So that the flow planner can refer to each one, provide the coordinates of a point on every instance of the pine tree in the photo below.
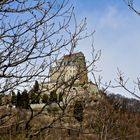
(53, 97)
(78, 111)
(14, 98)
(45, 98)
(34, 97)
(1, 96)
(25, 98)
(36, 87)
(35, 94)
(60, 97)
(19, 100)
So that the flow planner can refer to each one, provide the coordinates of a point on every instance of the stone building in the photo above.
(70, 67)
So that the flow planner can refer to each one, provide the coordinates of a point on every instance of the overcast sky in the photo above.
(117, 36)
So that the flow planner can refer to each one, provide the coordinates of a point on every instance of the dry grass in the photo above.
(121, 125)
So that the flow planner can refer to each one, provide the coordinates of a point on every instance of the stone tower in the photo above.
(69, 66)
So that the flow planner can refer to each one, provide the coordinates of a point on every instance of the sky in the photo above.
(116, 35)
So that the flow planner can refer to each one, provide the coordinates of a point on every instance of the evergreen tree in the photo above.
(53, 97)
(78, 111)
(37, 99)
(45, 98)
(19, 99)
(14, 98)
(60, 97)
(25, 97)
(34, 97)
(35, 94)
(36, 87)
(1, 96)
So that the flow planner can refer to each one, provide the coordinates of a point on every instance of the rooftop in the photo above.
(73, 55)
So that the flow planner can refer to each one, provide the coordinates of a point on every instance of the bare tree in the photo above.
(33, 35)
(133, 6)
(122, 82)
